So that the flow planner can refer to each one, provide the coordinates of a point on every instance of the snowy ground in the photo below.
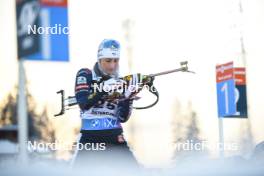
(227, 166)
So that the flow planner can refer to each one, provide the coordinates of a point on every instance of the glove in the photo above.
(113, 88)
(135, 84)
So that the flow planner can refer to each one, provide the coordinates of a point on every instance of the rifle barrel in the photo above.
(167, 72)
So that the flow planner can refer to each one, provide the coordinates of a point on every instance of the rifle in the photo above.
(66, 103)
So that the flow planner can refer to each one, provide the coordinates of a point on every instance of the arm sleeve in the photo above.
(84, 94)
(124, 110)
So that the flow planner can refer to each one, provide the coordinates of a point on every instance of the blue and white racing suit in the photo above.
(101, 119)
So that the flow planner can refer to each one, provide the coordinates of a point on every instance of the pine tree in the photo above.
(39, 125)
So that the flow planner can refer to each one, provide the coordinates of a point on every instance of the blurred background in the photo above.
(155, 36)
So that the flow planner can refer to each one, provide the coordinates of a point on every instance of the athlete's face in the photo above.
(109, 65)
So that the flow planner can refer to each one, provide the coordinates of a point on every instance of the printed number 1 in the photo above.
(225, 90)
